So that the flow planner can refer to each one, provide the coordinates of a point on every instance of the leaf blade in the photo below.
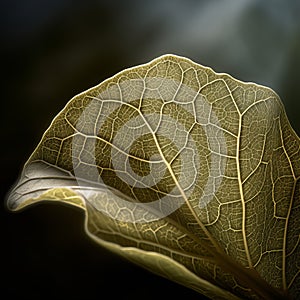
(236, 132)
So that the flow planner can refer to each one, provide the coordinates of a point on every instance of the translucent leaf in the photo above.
(189, 173)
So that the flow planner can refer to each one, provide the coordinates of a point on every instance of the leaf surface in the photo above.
(189, 173)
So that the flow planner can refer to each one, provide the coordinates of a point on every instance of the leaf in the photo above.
(192, 174)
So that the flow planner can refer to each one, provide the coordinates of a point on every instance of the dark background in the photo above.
(52, 50)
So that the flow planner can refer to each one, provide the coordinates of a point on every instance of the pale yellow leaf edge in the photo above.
(149, 260)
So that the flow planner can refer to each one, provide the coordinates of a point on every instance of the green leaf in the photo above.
(192, 174)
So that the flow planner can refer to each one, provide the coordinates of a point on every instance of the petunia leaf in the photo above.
(192, 174)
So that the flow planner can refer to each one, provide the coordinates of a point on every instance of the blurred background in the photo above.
(52, 50)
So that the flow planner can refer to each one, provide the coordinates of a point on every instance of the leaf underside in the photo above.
(192, 174)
